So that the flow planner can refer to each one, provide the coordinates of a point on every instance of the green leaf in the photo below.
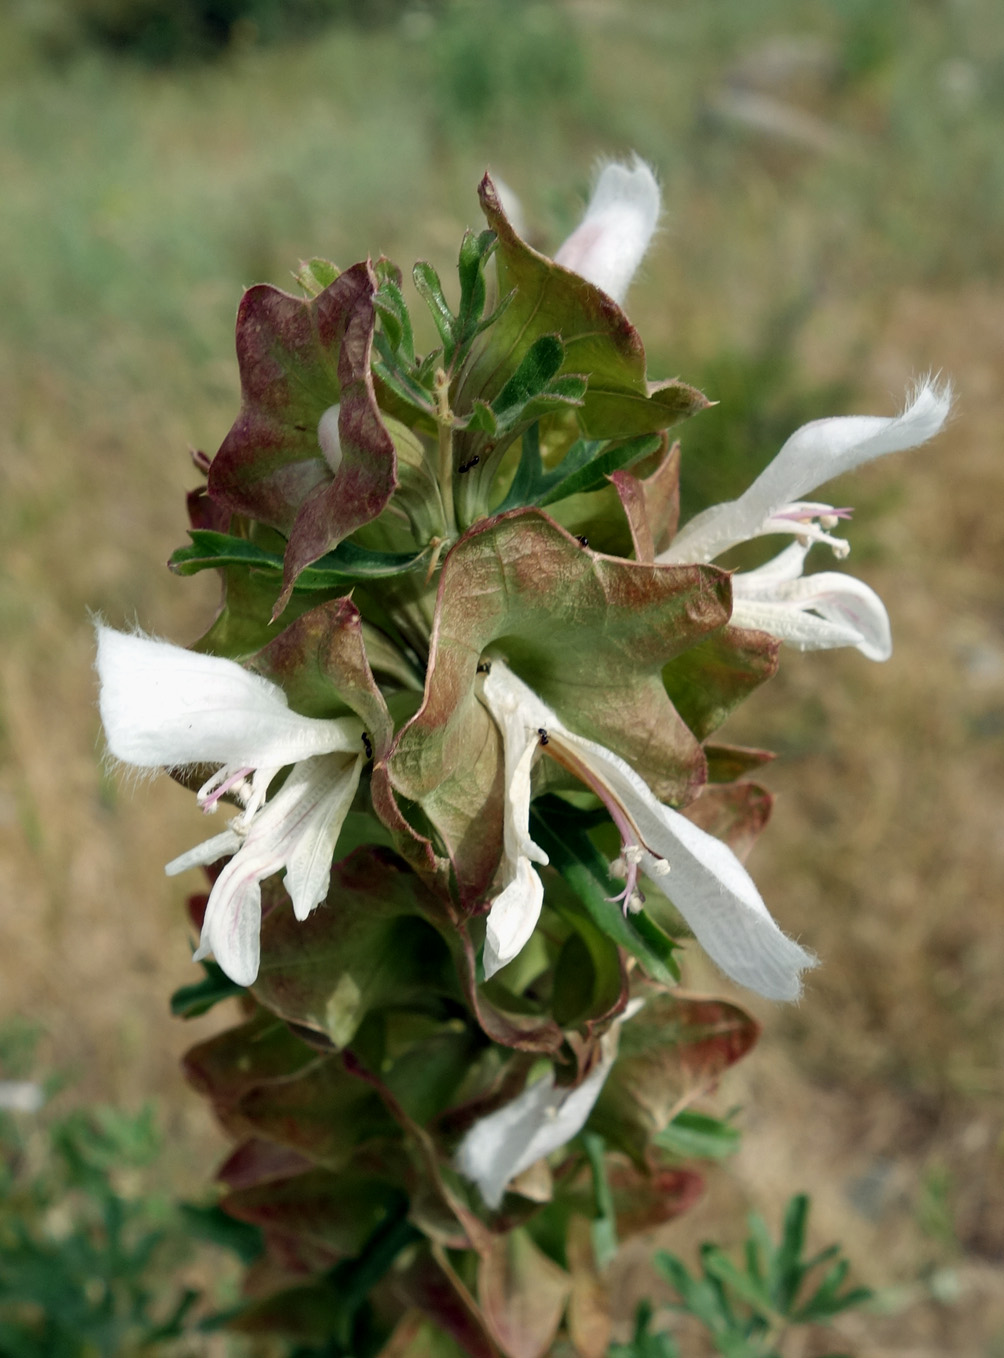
(603, 1227)
(345, 565)
(314, 275)
(370, 947)
(696, 1136)
(593, 475)
(192, 1000)
(430, 289)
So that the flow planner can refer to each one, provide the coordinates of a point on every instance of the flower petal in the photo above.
(708, 885)
(813, 455)
(323, 789)
(541, 1120)
(610, 242)
(513, 917)
(163, 706)
(850, 613)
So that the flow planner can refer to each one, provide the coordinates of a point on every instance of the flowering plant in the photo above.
(462, 693)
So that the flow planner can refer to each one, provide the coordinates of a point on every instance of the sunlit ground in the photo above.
(834, 184)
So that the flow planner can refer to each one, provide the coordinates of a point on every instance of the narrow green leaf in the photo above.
(603, 1228)
(348, 562)
(539, 365)
(697, 1136)
(431, 291)
(593, 476)
(192, 1000)
(721, 1267)
(788, 1270)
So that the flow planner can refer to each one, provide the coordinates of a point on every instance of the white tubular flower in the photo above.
(814, 612)
(540, 1120)
(813, 455)
(165, 707)
(701, 875)
(610, 242)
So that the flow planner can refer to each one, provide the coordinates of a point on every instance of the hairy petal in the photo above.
(813, 455)
(813, 612)
(708, 885)
(298, 830)
(610, 241)
(513, 917)
(163, 706)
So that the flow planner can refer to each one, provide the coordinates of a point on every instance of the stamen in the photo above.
(208, 796)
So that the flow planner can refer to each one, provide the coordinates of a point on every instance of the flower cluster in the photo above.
(461, 693)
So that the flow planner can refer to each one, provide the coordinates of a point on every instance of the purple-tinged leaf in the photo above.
(726, 763)
(320, 662)
(709, 681)
(733, 812)
(522, 1294)
(297, 359)
(369, 945)
(589, 633)
(672, 1051)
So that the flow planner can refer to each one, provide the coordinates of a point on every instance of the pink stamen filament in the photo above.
(630, 838)
(806, 513)
(208, 803)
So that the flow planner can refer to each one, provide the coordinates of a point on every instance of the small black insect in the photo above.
(466, 466)
(544, 737)
(367, 746)
(485, 667)
(583, 541)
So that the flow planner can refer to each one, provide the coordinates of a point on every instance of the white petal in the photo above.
(610, 242)
(325, 795)
(813, 455)
(761, 582)
(208, 852)
(297, 830)
(541, 1120)
(708, 885)
(232, 925)
(793, 625)
(513, 917)
(163, 706)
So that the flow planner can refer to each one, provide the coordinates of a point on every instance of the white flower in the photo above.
(701, 875)
(165, 707)
(540, 1120)
(610, 242)
(813, 455)
(814, 612)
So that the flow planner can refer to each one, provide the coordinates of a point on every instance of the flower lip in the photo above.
(813, 455)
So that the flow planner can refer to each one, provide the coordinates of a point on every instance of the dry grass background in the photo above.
(136, 204)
